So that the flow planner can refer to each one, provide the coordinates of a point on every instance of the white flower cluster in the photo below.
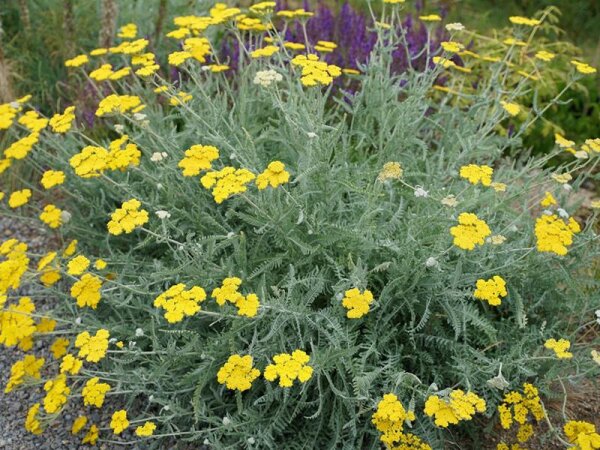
(457, 26)
(158, 156)
(267, 77)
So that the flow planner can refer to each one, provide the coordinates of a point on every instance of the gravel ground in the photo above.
(14, 406)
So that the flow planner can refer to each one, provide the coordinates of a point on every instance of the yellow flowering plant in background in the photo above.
(245, 257)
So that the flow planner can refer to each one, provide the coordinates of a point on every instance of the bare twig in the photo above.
(69, 27)
(160, 20)
(109, 12)
(24, 15)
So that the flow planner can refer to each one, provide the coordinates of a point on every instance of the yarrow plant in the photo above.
(300, 247)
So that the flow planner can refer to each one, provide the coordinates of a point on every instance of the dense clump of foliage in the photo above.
(301, 249)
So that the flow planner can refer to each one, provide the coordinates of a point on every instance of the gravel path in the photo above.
(14, 406)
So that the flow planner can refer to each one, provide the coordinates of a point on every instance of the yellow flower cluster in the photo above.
(197, 47)
(452, 47)
(91, 436)
(560, 348)
(5, 163)
(92, 348)
(582, 435)
(71, 365)
(86, 291)
(119, 104)
(294, 45)
(449, 64)
(45, 325)
(77, 61)
(431, 18)
(148, 64)
(315, 71)
(28, 367)
(70, 249)
(17, 325)
(180, 98)
(33, 122)
(119, 422)
(389, 419)
(391, 171)
(122, 154)
(228, 292)
(548, 200)
(178, 58)
(198, 158)
(591, 145)
(179, 303)
(51, 216)
(227, 182)
(78, 424)
(477, 174)
(8, 112)
(145, 430)
(264, 52)
(554, 235)
(454, 408)
(512, 109)
(262, 7)
(409, 441)
(21, 148)
(520, 20)
(106, 72)
(470, 231)
(128, 31)
(562, 141)
(196, 24)
(194, 47)
(13, 264)
(92, 161)
(245, 23)
(491, 290)
(78, 265)
(57, 394)
(19, 198)
(357, 303)
(503, 446)
(274, 175)
(583, 68)
(49, 272)
(545, 55)
(89, 162)
(51, 178)
(589, 148)
(299, 13)
(289, 368)
(522, 405)
(32, 424)
(525, 432)
(127, 218)
(248, 306)
(562, 178)
(237, 373)
(93, 392)
(130, 47)
(325, 46)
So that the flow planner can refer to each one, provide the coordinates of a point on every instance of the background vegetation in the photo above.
(37, 36)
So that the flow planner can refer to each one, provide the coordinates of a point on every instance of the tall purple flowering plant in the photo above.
(355, 35)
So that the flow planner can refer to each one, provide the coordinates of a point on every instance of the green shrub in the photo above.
(375, 193)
